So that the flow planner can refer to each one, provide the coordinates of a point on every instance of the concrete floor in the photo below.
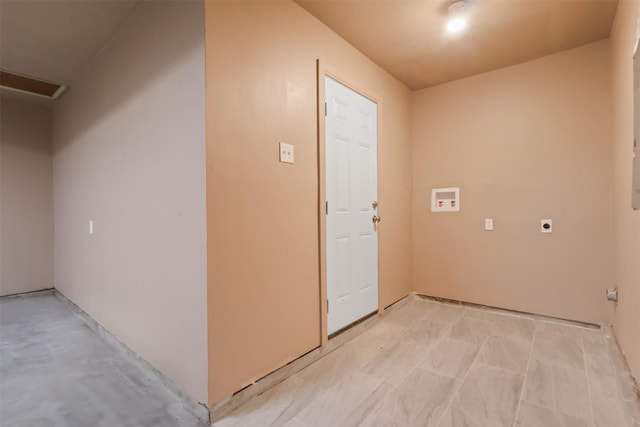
(57, 371)
(427, 363)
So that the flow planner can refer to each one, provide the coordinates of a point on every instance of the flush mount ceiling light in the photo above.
(457, 21)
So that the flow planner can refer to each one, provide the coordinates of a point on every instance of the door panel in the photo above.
(351, 189)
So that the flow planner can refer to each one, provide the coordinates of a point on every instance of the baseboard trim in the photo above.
(225, 407)
(509, 311)
(47, 291)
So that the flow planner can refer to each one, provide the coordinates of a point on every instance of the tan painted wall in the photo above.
(26, 197)
(523, 143)
(263, 215)
(129, 153)
(626, 222)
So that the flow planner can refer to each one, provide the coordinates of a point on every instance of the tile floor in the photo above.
(438, 364)
(57, 371)
(425, 364)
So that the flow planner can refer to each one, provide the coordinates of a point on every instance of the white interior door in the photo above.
(352, 194)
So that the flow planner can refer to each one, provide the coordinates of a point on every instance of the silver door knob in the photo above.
(376, 219)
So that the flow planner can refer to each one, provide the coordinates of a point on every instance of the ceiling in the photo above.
(407, 38)
(54, 40)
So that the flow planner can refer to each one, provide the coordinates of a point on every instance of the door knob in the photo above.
(376, 219)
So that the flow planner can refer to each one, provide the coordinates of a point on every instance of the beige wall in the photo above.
(129, 154)
(26, 197)
(263, 215)
(626, 222)
(523, 143)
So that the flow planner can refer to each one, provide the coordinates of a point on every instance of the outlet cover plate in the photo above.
(488, 224)
(286, 153)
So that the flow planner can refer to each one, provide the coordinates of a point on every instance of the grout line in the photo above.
(464, 378)
(526, 374)
(586, 373)
(403, 336)
(36, 293)
(272, 379)
(570, 324)
(315, 398)
(498, 368)
(618, 385)
(499, 310)
(445, 335)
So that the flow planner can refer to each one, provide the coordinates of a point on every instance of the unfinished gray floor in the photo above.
(426, 364)
(56, 371)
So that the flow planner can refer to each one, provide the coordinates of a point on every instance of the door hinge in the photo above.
(327, 306)
(325, 109)
(326, 207)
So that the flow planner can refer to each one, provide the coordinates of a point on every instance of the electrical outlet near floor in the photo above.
(546, 226)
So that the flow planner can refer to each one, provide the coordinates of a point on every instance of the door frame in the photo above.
(325, 70)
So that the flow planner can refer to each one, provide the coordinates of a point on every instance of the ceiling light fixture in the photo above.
(457, 21)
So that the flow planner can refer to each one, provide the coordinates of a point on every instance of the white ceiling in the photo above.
(55, 39)
(407, 38)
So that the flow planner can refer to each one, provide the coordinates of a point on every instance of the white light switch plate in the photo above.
(548, 228)
(286, 153)
(488, 224)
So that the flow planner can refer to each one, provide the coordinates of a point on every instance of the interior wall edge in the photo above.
(26, 195)
(626, 222)
(262, 67)
(129, 190)
(518, 121)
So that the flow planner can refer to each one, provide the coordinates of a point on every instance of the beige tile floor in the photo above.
(439, 364)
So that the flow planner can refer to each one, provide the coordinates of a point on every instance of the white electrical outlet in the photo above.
(286, 153)
(90, 226)
(546, 226)
(488, 224)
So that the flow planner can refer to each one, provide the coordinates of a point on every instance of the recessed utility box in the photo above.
(445, 199)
